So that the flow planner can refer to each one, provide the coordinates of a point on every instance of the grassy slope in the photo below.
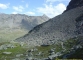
(8, 36)
(78, 54)
(68, 44)
(46, 49)
(15, 51)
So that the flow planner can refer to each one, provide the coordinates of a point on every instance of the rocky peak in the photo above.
(74, 4)
(45, 16)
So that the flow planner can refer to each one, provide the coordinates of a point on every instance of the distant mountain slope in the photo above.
(15, 25)
(62, 27)
(16, 21)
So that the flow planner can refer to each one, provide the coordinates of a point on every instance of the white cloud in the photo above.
(14, 12)
(51, 10)
(30, 13)
(4, 6)
(18, 8)
(51, 1)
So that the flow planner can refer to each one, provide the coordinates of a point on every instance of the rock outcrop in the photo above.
(74, 4)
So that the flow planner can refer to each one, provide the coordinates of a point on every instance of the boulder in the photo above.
(19, 55)
(29, 58)
(54, 55)
(7, 53)
(16, 59)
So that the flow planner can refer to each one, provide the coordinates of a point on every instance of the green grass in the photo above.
(15, 51)
(8, 36)
(78, 54)
(69, 44)
(46, 49)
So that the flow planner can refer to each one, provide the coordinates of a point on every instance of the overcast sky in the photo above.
(33, 7)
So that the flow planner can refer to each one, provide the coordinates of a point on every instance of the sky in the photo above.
(51, 8)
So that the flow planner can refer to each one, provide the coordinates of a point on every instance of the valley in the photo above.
(24, 37)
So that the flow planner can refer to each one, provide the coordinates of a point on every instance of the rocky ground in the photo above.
(62, 50)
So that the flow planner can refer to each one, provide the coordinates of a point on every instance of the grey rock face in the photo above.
(79, 24)
(74, 4)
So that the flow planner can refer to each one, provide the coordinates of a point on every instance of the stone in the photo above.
(78, 46)
(7, 53)
(52, 53)
(21, 43)
(3, 47)
(30, 54)
(52, 50)
(18, 55)
(55, 55)
(6, 46)
(29, 58)
(35, 49)
(39, 53)
(32, 50)
(16, 59)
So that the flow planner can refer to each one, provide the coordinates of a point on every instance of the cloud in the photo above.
(18, 8)
(51, 1)
(30, 13)
(51, 10)
(4, 6)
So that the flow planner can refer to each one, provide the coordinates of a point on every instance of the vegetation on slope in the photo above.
(11, 35)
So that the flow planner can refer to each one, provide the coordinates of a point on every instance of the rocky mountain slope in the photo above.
(16, 25)
(60, 28)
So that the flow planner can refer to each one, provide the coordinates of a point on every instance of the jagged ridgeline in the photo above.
(13, 26)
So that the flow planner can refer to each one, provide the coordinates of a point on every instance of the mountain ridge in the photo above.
(17, 19)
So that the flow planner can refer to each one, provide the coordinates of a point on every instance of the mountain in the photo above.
(20, 21)
(74, 4)
(60, 28)
(13, 26)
